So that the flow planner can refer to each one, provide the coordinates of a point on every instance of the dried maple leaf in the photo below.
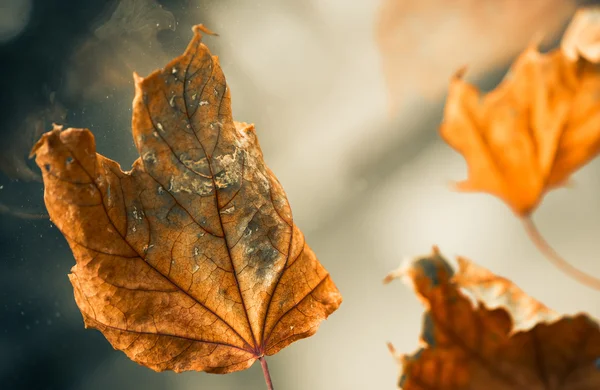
(470, 341)
(530, 133)
(191, 260)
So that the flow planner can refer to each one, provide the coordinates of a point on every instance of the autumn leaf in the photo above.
(482, 332)
(191, 260)
(530, 133)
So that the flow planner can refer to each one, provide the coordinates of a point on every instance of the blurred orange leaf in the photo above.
(482, 332)
(530, 133)
(191, 260)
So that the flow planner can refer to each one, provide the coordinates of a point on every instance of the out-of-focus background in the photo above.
(346, 98)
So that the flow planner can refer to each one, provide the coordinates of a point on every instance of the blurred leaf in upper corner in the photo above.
(128, 41)
(481, 332)
(423, 42)
(582, 38)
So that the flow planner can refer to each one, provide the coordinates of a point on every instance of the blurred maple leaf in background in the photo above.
(531, 132)
(482, 332)
(425, 41)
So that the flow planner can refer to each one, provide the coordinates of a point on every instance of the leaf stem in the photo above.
(550, 254)
(265, 368)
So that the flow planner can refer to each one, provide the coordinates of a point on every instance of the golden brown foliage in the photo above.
(530, 133)
(482, 332)
(191, 260)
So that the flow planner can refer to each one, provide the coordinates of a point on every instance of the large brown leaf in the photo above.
(480, 331)
(191, 260)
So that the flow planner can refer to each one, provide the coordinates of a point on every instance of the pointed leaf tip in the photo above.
(460, 73)
(200, 28)
(137, 79)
